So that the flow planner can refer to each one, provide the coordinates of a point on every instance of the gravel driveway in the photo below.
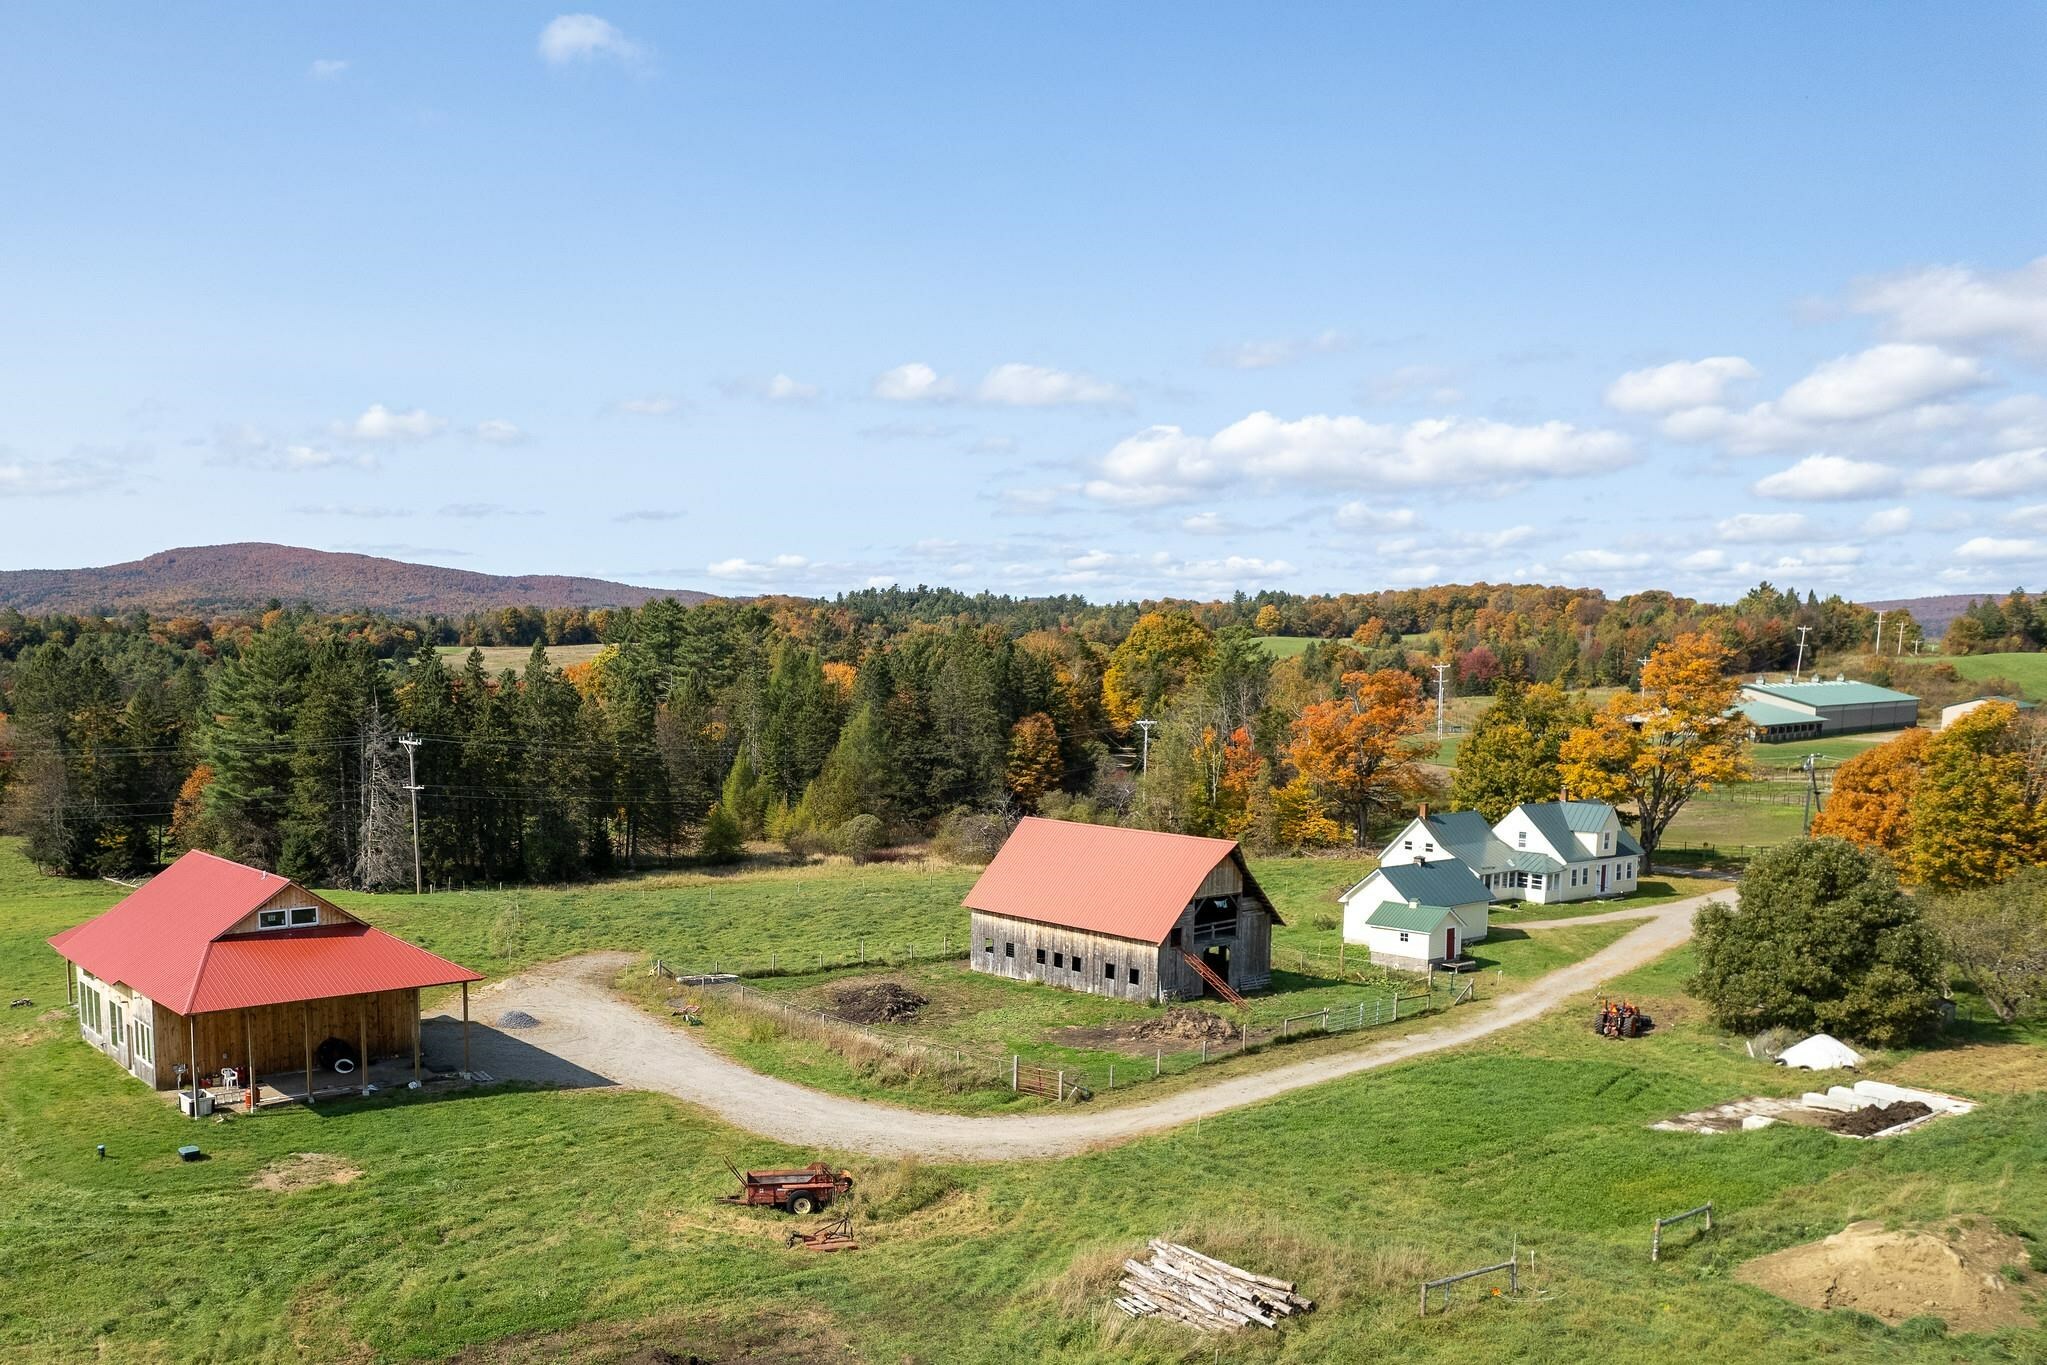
(588, 1035)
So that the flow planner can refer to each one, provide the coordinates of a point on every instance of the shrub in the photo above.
(721, 840)
(859, 837)
(970, 836)
(1822, 939)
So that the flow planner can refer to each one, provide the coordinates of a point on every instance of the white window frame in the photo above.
(287, 917)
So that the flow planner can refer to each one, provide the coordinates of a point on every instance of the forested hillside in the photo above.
(273, 737)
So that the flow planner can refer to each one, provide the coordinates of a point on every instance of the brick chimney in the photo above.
(1423, 812)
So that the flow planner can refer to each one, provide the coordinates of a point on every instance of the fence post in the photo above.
(1325, 1020)
(1158, 1061)
(1204, 1049)
(1112, 1075)
(771, 962)
(863, 952)
(1061, 1095)
(1012, 1073)
(1396, 1004)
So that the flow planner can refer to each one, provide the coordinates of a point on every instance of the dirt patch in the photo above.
(1957, 1275)
(1879, 1117)
(304, 1171)
(52, 1016)
(878, 1002)
(1175, 1029)
(1977, 1069)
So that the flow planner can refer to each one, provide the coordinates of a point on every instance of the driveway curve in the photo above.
(587, 1034)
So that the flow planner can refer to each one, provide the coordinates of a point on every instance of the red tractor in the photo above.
(802, 1191)
(1620, 1019)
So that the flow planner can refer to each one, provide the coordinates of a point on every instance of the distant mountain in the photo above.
(213, 578)
(1932, 613)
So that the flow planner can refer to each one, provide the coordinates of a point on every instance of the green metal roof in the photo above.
(1762, 713)
(1447, 881)
(1628, 844)
(1531, 861)
(1831, 693)
(1585, 817)
(1422, 919)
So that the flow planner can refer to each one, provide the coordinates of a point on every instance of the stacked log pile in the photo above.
(1209, 1295)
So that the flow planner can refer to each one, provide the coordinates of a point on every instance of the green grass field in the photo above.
(2029, 671)
(498, 658)
(1287, 646)
(525, 1225)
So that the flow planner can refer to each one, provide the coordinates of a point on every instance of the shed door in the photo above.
(1450, 943)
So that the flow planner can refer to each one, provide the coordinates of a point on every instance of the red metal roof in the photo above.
(1132, 883)
(166, 941)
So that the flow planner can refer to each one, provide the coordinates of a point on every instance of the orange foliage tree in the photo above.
(1658, 748)
(1300, 820)
(1362, 752)
(1034, 768)
(1973, 820)
(1871, 803)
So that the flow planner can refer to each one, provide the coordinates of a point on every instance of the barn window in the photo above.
(1041, 957)
(1009, 950)
(1133, 976)
(1403, 936)
(1215, 918)
(1059, 959)
(1108, 971)
(1076, 962)
(144, 1041)
(989, 947)
(270, 919)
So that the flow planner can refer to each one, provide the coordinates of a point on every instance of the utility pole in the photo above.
(1803, 631)
(1441, 670)
(1812, 788)
(411, 743)
(1144, 761)
(1879, 632)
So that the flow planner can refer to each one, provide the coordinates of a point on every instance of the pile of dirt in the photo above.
(517, 1019)
(1185, 1024)
(1957, 1276)
(1876, 1118)
(304, 1171)
(878, 1002)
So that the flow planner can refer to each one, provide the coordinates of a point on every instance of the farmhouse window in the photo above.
(1108, 971)
(1521, 837)
(1606, 843)
(1009, 950)
(1407, 843)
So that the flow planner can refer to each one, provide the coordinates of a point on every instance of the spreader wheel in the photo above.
(803, 1205)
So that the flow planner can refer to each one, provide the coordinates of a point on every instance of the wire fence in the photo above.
(1062, 1079)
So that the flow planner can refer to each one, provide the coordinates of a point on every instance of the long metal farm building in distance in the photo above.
(1123, 912)
(1810, 710)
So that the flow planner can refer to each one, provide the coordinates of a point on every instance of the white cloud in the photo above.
(1264, 355)
(654, 405)
(2000, 550)
(1888, 522)
(53, 478)
(1678, 385)
(1700, 561)
(572, 38)
(327, 69)
(1414, 383)
(2033, 515)
(914, 382)
(1995, 476)
(1953, 303)
(499, 432)
(1748, 527)
(780, 388)
(1205, 524)
(1599, 559)
(1359, 515)
(779, 569)
(379, 423)
(1880, 380)
(1036, 386)
(1829, 478)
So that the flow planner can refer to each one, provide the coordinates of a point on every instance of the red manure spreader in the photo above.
(802, 1191)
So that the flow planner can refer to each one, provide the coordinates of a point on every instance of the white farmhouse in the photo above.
(1413, 914)
(1543, 852)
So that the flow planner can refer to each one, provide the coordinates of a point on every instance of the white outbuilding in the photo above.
(1410, 915)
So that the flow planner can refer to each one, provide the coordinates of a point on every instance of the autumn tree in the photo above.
(1997, 937)
(1034, 768)
(1269, 620)
(1362, 752)
(1300, 820)
(1972, 823)
(1823, 939)
(1512, 754)
(1871, 800)
(1658, 748)
(1156, 659)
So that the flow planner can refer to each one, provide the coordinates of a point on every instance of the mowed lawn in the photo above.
(533, 1225)
(2029, 671)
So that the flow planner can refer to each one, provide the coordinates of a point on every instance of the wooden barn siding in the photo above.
(279, 1033)
(1092, 949)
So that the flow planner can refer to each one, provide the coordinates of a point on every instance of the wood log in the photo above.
(1175, 1249)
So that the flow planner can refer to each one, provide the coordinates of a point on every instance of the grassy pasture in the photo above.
(2029, 671)
(498, 658)
(538, 1225)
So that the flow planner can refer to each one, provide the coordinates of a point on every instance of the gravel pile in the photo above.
(517, 1019)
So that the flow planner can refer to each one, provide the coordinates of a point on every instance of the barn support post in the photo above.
(192, 1056)
(306, 1037)
(465, 1028)
(362, 1024)
(415, 1033)
(249, 1042)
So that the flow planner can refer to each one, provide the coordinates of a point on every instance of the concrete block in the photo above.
(1755, 1121)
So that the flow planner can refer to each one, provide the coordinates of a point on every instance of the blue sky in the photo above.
(1116, 299)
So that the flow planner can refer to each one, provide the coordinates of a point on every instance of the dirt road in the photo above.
(588, 1035)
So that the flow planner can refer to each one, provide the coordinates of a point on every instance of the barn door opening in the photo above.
(1217, 960)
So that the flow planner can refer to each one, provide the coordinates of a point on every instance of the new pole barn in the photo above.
(1123, 912)
(212, 967)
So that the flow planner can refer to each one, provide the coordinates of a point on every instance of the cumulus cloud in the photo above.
(1603, 559)
(379, 423)
(779, 569)
(1205, 524)
(914, 382)
(1829, 478)
(776, 388)
(2000, 549)
(1359, 515)
(1960, 305)
(499, 432)
(1264, 355)
(1037, 386)
(653, 405)
(1995, 476)
(1888, 522)
(1748, 527)
(572, 38)
(1678, 385)
(327, 69)
(1164, 464)
(1880, 380)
